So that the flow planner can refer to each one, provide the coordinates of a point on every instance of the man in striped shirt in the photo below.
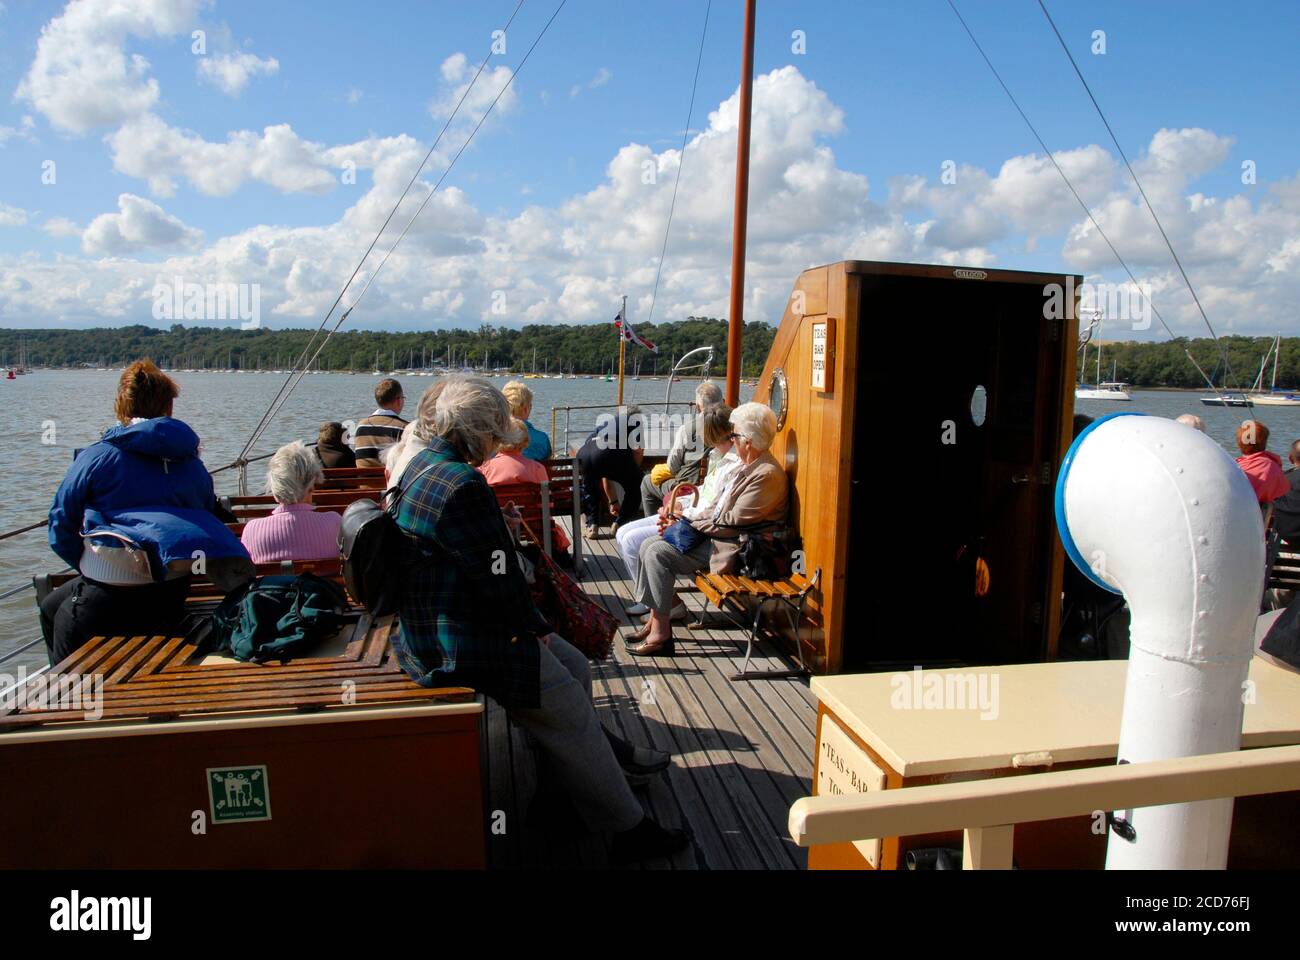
(381, 428)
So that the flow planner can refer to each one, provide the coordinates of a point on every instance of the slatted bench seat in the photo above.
(1284, 571)
(734, 596)
(343, 743)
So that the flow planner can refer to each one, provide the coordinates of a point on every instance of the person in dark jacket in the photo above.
(612, 454)
(135, 516)
(467, 619)
(1286, 508)
(331, 449)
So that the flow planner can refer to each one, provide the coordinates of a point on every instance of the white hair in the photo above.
(293, 471)
(1193, 421)
(422, 426)
(474, 417)
(756, 423)
(707, 394)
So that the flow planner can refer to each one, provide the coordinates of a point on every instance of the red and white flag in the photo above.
(627, 333)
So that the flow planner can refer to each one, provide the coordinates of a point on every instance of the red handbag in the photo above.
(574, 615)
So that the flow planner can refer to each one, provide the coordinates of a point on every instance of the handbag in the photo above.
(680, 533)
(575, 616)
(767, 551)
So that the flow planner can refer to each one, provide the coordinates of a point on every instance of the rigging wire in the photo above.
(1102, 233)
(271, 410)
(686, 132)
(429, 196)
(1228, 375)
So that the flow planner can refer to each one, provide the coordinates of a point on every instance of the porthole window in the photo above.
(778, 397)
(979, 405)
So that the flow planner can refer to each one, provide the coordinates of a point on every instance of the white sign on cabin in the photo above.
(823, 340)
(844, 768)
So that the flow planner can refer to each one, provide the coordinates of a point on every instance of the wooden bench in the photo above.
(262, 505)
(734, 596)
(1284, 568)
(359, 766)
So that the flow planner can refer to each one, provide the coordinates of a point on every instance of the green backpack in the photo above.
(278, 617)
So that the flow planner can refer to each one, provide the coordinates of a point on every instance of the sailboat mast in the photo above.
(736, 313)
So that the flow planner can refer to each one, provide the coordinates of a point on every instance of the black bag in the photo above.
(1283, 638)
(767, 551)
(375, 552)
(278, 618)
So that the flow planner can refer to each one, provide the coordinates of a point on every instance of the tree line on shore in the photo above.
(553, 348)
(578, 348)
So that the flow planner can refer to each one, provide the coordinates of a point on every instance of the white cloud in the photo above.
(138, 225)
(61, 227)
(602, 77)
(457, 73)
(148, 148)
(230, 72)
(82, 78)
(12, 216)
(571, 261)
(354, 96)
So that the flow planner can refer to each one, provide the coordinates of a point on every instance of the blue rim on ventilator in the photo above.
(1071, 550)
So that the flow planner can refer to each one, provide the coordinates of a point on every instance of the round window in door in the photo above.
(778, 397)
(979, 405)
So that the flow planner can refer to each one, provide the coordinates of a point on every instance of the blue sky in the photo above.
(909, 91)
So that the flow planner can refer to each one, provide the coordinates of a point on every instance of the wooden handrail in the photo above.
(1000, 802)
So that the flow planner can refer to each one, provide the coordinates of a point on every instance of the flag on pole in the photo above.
(627, 333)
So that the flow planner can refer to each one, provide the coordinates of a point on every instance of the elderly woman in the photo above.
(294, 530)
(538, 446)
(687, 456)
(723, 463)
(757, 493)
(132, 514)
(467, 618)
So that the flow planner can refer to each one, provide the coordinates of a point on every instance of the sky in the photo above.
(214, 142)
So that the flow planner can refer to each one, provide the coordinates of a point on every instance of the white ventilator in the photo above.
(1157, 511)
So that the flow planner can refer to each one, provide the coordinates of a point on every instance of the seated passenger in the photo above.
(467, 619)
(758, 493)
(511, 466)
(135, 516)
(294, 530)
(330, 448)
(1193, 421)
(1262, 467)
(687, 456)
(610, 455)
(521, 406)
(723, 463)
(1286, 508)
(398, 455)
(383, 427)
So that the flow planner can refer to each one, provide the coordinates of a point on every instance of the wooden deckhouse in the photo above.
(923, 412)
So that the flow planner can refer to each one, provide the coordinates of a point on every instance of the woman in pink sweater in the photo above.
(1262, 468)
(511, 466)
(294, 530)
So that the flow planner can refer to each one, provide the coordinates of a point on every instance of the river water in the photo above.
(50, 414)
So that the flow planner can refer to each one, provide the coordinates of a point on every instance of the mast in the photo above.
(622, 349)
(736, 315)
(1277, 348)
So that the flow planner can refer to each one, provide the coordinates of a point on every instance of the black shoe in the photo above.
(637, 761)
(646, 841)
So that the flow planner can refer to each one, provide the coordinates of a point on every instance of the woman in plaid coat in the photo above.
(467, 619)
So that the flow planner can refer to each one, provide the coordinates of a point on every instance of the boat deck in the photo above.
(742, 751)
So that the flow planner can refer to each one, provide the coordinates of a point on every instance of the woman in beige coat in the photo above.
(757, 493)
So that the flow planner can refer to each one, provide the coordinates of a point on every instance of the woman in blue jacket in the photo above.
(135, 516)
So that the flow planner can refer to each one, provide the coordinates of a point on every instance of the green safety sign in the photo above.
(239, 794)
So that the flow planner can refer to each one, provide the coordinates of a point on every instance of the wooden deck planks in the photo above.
(742, 751)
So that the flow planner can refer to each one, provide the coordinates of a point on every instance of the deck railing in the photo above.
(986, 811)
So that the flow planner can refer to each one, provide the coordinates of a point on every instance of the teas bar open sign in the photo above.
(844, 768)
(823, 353)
